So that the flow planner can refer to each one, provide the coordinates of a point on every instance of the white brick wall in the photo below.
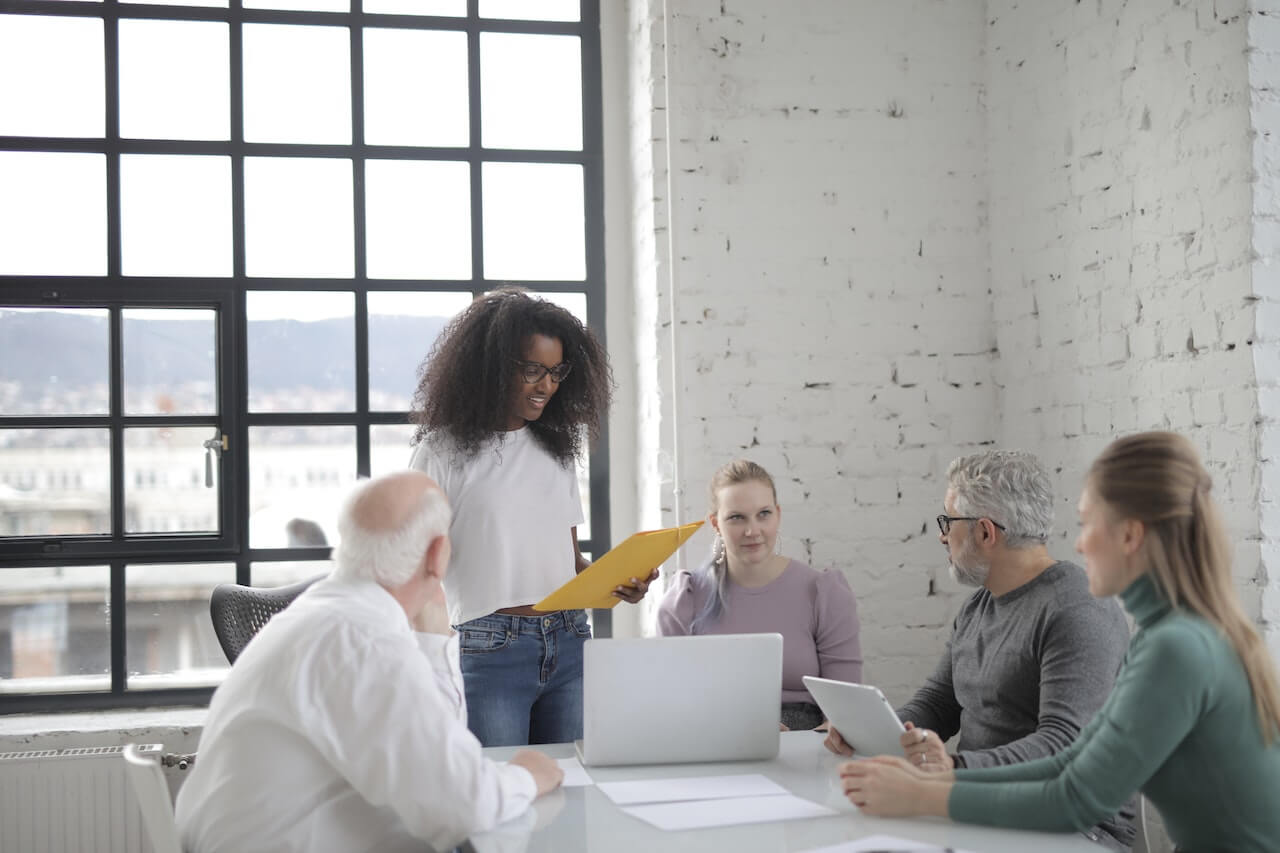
(897, 230)
(827, 267)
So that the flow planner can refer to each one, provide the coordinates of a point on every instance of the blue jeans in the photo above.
(523, 676)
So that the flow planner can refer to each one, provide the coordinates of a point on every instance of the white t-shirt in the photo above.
(341, 730)
(514, 507)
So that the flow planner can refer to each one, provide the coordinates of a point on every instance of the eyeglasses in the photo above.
(944, 522)
(532, 372)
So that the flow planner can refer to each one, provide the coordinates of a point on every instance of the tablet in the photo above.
(861, 714)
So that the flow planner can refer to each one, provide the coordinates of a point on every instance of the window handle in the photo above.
(215, 445)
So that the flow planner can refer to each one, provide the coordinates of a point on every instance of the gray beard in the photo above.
(975, 575)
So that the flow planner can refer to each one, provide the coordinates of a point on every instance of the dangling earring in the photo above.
(717, 550)
(777, 543)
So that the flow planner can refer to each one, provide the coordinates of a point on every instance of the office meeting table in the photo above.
(575, 819)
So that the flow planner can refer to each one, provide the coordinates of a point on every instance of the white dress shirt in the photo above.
(341, 729)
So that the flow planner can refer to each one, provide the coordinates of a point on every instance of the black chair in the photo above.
(239, 612)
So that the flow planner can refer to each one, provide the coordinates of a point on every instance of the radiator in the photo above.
(70, 801)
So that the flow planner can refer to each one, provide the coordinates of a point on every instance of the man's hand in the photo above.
(924, 749)
(836, 744)
(433, 618)
(546, 773)
(635, 590)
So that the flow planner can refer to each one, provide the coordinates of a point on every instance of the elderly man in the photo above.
(342, 726)
(1032, 655)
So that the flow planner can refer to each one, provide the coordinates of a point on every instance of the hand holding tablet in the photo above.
(860, 713)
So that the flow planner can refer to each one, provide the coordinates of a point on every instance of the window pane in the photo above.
(53, 72)
(174, 80)
(169, 639)
(531, 91)
(288, 572)
(531, 10)
(298, 474)
(53, 213)
(390, 446)
(297, 84)
(402, 329)
(415, 88)
(298, 220)
(442, 8)
(533, 222)
(213, 4)
(164, 481)
(170, 361)
(175, 214)
(574, 303)
(69, 377)
(418, 217)
(301, 351)
(54, 634)
(300, 5)
(55, 482)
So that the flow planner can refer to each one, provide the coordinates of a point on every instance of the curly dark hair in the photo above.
(465, 383)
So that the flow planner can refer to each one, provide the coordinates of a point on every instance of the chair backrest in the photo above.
(1141, 843)
(239, 612)
(153, 799)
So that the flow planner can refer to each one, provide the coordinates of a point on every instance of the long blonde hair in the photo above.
(716, 570)
(1157, 478)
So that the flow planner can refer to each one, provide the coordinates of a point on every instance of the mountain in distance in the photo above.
(284, 354)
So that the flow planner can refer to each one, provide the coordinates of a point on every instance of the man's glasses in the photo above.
(944, 522)
(532, 372)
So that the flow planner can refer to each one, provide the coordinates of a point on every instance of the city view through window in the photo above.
(229, 236)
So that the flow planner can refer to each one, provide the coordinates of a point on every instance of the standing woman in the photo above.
(748, 587)
(1193, 721)
(509, 396)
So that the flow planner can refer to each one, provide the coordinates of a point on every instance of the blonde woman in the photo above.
(1194, 719)
(748, 587)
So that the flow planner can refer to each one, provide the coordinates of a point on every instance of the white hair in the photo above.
(389, 557)
(1010, 487)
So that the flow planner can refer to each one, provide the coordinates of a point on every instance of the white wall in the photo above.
(819, 237)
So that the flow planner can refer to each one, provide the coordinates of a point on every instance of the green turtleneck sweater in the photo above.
(1180, 724)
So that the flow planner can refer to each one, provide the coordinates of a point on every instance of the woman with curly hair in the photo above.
(510, 395)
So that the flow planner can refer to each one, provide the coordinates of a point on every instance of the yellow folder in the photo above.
(639, 555)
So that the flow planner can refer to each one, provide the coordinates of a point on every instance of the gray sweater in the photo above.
(1024, 672)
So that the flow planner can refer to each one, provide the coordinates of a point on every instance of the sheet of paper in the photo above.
(690, 788)
(885, 844)
(575, 775)
(705, 813)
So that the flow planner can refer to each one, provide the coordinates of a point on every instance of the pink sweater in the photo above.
(815, 612)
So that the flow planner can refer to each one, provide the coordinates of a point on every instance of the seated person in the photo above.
(342, 727)
(1032, 655)
(1194, 719)
(748, 588)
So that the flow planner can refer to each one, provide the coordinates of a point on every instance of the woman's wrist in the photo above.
(937, 796)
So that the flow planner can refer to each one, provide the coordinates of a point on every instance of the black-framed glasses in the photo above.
(532, 372)
(944, 521)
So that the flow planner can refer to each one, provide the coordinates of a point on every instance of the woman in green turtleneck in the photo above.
(1194, 718)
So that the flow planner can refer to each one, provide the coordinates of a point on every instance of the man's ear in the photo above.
(436, 562)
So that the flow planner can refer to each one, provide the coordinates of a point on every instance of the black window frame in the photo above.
(229, 296)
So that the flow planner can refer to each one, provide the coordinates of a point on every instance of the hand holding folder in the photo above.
(637, 557)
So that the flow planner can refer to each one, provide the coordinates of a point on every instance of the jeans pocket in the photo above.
(578, 624)
(480, 640)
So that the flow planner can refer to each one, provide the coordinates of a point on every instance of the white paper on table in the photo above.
(690, 788)
(886, 844)
(703, 813)
(575, 775)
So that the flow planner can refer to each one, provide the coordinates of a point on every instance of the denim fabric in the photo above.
(523, 676)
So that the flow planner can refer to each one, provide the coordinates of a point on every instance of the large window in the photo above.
(230, 231)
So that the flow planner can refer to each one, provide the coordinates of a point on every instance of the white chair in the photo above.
(1141, 844)
(153, 799)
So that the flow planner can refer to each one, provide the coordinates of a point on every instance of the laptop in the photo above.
(673, 700)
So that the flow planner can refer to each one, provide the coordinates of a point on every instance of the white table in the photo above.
(583, 819)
